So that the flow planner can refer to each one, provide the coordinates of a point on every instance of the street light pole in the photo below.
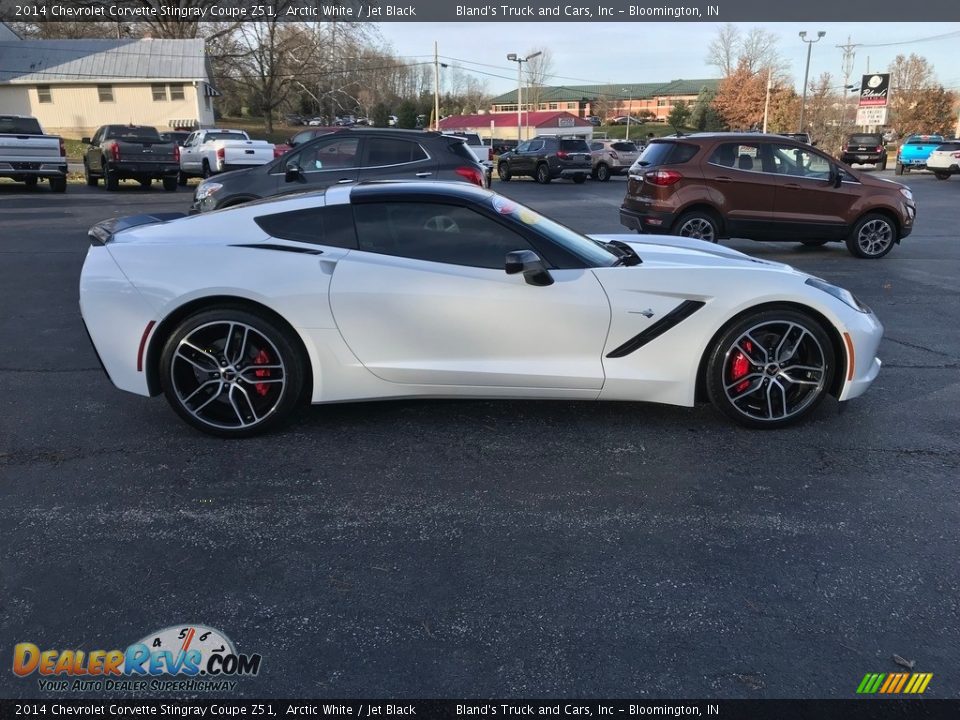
(806, 74)
(629, 109)
(513, 57)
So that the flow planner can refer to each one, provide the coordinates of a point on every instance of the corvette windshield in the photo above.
(583, 247)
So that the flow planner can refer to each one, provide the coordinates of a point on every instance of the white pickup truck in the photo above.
(207, 152)
(27, 155)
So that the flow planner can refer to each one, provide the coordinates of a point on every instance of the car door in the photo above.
(188, 153)
(521, 163)
(386, 158)
(426, 301)
(807, 203)
(740, 188)
(321, 164)
(94, 155)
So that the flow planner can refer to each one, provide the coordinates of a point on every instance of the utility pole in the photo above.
(848, 55)
(436, 87)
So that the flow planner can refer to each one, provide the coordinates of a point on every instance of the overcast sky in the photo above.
(653, 52)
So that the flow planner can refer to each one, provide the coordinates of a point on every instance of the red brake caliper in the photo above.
(740, 367)
(262, 359)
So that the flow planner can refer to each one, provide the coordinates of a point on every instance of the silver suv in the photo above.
(612, 157)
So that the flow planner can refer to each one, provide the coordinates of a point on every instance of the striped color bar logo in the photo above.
(906, 683)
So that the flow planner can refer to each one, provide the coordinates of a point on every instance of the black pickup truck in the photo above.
(131, 152)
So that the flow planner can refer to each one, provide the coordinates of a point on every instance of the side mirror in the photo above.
(85, 141)
(293, 173)
(530, 264)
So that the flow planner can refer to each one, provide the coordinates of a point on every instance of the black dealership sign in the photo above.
(875, 90)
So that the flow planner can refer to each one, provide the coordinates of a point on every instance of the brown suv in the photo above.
(763, 187)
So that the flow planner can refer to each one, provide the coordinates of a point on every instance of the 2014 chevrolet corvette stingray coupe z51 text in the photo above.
(399, 290)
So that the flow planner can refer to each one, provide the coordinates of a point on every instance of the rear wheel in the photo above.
(898, 169)
(602, 172)
(232, 372)
(58, 184)
(30, 182)
(91, 179)
(770, 369)
(542, 175)
(503, 172)
(110, 179)
(941, 175)
(579, 179)
(144, 183)
(181, 179)
(206, 169)
(697, 224)
(170, 183)
(872, 237)
(883, 163)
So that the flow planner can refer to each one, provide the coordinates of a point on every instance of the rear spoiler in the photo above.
(103, 232)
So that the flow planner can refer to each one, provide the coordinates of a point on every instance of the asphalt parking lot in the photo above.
(504, 549)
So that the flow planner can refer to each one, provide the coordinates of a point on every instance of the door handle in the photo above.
(723, 178)
(424, 174)
(344, 181)
(792, 186)
(327, 266)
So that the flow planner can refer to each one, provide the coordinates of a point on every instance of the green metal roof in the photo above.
(636, 91)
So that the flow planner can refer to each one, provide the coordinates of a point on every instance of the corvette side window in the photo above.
(436, 233)
(331, 226)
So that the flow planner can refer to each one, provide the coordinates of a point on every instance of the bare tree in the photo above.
(724, 50)
(917, 102)
(732, 50)
(537, 71)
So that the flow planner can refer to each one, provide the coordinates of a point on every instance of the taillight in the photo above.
(879, 148)
(277, 152)
(221, 154)
(563, 154)
(956, 154)
(663, 178)
(471, 175)
(176, 153)
(115, 151)
(63, 149)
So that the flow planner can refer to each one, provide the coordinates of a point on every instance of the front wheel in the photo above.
(170, 183)
(181, 179)
(30, 182)
(770, 369)
(543, 174)
(579, 179)
(58, 184)
(503, 172)
(232, 372)
(91, 179)
(872, 237)
(699, 225)
(898, 168)
(941, 175)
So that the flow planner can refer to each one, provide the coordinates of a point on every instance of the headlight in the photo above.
(906, 193)
(841, 294)
(205, 190)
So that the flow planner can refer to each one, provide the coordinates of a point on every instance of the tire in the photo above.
(697, 224)
(503, 172)
(110, 180)
(170, 183)
(30, 182)
(58, 184)
(941, 175)
(580, 179)
(145, 183)
(814, 243)
(181, 179)
(883, 163)
(542, 175)
(206, 169)
(229, 397)
(754, 373)
(898, 169)
(91, 179)
(873, 236)
(602, 173)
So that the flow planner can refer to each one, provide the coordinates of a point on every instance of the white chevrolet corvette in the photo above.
(400, 290)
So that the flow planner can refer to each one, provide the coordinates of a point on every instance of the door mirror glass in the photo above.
(530, 264)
